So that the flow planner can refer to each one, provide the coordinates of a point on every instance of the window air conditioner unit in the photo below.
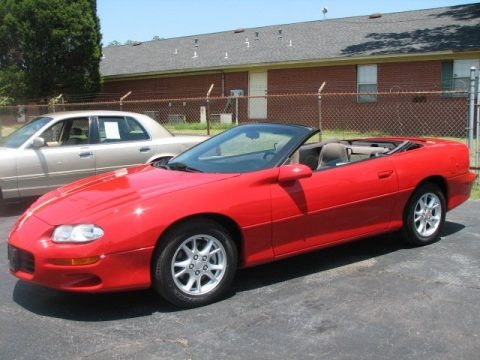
(236, 92)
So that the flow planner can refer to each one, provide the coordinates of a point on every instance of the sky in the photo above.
(141, 20)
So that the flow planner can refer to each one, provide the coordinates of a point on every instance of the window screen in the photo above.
(461, 73)
(367, 83)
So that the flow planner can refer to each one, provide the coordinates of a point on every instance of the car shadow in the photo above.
(318, 261)
(133, 304)
(451, 228)
(88, 307)
(327, 259)
(15, 209)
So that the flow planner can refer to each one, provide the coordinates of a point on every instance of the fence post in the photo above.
(471, 108)
(54, 101)
(477, 153)
(320, 111)
(123, 98)
(208, 109)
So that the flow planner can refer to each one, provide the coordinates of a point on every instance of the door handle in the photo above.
(385, 174)
(144, 149)
(85, 154)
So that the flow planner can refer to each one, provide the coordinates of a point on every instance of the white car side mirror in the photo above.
(38, 142)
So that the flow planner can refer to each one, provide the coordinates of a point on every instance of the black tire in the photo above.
(424, 215)
(3, 206)
(210, 282)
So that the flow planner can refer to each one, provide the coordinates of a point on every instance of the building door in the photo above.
(257, 89)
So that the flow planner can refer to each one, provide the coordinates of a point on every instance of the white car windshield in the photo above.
(18, 137)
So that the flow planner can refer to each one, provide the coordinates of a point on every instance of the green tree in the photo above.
(114, 43)
(49, 47)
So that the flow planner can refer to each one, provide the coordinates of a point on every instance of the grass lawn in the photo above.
(476, 191)
(7, 130)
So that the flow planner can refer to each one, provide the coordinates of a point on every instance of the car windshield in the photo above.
(243, 149)
(19, 136)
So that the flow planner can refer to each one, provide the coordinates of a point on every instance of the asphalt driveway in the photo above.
(373, 299)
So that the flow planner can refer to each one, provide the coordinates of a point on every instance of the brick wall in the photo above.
(402, 76)
(405, 114)
(308, 80)
(413, 113)
(409, 76)
(177, 86)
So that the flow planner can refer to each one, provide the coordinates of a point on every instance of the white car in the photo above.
(58, 148)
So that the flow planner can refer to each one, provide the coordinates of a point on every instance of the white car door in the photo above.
(67, 156)
(122, 142)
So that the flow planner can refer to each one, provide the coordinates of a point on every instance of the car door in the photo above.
(66, 157)
(122, 141)
(334, 204)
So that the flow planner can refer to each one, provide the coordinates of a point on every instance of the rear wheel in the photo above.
(2, 204)
(197, 264)
(424, 215)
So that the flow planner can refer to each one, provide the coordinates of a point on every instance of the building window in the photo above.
(456, 75)
(367, 83)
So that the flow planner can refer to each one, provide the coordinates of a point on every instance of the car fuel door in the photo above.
(335, 204)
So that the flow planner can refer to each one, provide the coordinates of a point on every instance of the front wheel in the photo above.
(424, 215)
(196, 264)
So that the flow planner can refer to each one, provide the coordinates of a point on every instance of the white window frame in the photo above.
(367, 82)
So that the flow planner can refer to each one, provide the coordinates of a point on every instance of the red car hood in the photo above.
(95, 195)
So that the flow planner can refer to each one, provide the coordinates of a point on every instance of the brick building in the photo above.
(422, 50)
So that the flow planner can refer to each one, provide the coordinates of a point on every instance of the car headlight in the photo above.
(81, 233)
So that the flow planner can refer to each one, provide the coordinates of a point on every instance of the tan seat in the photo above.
(332, 154)
(76, 137)
(295, 158)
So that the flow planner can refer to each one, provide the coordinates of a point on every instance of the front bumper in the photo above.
(459, 189)
(33, 257)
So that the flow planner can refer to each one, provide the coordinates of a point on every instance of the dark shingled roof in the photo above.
(448, 29)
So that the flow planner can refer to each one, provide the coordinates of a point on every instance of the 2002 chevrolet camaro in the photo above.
(251, 195)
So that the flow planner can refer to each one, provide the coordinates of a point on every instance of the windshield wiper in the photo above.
(181, 167)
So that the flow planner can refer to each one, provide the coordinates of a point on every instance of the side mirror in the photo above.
(38, 142)
(290, 173)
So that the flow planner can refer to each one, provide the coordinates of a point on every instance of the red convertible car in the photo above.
(251, 195)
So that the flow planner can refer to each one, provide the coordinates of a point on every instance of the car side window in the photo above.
(76, 132)
(120, 129)
(67, 132)
(53, 134)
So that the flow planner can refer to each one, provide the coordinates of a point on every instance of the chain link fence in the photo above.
(338, 115)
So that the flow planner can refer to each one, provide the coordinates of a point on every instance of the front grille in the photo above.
(21, 260)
